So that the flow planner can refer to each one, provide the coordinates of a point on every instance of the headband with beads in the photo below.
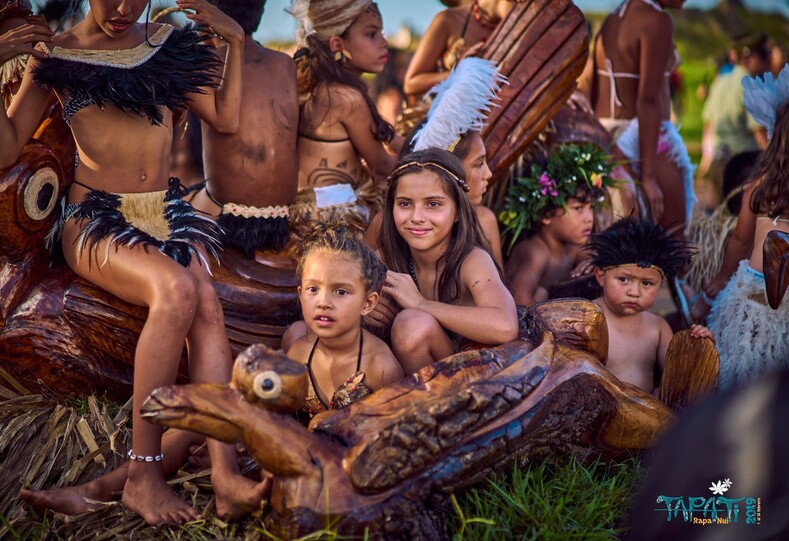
(462, 183)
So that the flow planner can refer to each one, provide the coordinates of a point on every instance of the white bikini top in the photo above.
(774, 220)
(609, 67)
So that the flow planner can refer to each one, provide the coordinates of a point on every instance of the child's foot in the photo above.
(237, 496)
(69, 501)
(147, 494)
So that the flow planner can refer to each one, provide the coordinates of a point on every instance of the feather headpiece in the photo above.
(461, 103)
(325, 18)
(631, 241)
(763, 95)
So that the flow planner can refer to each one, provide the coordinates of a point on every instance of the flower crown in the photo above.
(551, 186)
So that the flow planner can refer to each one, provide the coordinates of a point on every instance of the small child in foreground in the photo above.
(554, 208)
(631, 260)
(340, 280)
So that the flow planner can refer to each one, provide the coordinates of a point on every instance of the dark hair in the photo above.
(317, 60)
(583, 193)
(631, 241)
(466, 232)
(771, 197)
(341, 240)
(737, 171)
(246, 13)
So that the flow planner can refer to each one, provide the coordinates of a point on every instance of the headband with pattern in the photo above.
(462, 183)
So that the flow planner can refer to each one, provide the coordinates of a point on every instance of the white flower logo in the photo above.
(720, 487)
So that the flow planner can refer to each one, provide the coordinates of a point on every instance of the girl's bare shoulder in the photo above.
(300, 349)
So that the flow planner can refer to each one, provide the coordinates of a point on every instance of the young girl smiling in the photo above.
(440, 270)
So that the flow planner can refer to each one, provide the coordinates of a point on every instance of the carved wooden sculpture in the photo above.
(776, 266)
(382, 463)
(690, 370)
(541, 46)
(64, 334)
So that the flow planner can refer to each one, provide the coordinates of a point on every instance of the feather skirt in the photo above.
(160, 220)
(751, 337)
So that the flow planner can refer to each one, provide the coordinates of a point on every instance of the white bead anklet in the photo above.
(145, 458)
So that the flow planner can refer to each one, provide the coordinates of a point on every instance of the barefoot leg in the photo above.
(210, 362)
(150, 279)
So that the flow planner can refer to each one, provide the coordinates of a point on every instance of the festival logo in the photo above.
(712, 510)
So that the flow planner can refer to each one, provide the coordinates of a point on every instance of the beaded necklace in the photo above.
(412, 272)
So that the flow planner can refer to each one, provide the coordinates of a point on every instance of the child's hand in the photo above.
(205, 13)
(583, 267)
(384, 312)
(700, 331)
(403, 290)
(22, 40)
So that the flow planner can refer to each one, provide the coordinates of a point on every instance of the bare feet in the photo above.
(237, 496)
(147, 494)
(69, 501)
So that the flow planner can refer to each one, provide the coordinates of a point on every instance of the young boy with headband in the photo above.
(631, 259)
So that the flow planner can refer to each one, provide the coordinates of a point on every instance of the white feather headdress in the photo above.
(461, 103)
(763, 95)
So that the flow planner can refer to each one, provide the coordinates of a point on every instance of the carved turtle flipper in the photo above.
(776, 266)
(690, 370)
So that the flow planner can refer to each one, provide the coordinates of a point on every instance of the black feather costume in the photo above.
(106, 220)
(162, 76)
(630, 241)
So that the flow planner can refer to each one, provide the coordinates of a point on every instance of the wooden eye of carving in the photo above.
(268, 385)
(41, 193)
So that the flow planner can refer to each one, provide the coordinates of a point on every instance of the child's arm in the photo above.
(525, 269)
(24, 115)
(666, 334)
(358, 122)
(738, 247)
(493, 318)
(384, 370)
(220, 108)
(421, 75)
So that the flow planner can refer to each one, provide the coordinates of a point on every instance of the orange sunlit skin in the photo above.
(365, 46)
(478, 173)
(423, 213)
(573, 225)
(333, 294)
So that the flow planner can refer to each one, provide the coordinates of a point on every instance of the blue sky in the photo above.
(278, 25)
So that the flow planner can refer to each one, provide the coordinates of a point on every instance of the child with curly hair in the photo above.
(340, 280)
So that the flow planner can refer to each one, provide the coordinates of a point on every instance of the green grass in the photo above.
(549, 501)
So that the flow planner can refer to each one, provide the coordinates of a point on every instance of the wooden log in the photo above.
(776, 266)
(690, 370)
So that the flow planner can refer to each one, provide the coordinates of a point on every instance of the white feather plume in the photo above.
(300, 10)
(461, 103)
(764, 94)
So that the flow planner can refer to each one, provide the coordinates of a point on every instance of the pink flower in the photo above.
(548, 185)
(662, 145)
(597, 180)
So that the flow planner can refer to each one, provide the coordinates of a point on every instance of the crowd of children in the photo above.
(434, 277)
